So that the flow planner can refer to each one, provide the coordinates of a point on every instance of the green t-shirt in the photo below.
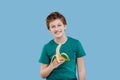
(67, 70)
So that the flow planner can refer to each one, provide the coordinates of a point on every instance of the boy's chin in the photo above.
(58, 36)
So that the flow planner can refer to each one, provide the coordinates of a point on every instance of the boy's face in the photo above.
(57, 28)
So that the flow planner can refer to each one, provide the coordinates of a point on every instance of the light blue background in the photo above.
(23, 32)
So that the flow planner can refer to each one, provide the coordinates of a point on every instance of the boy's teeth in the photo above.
(57, 32)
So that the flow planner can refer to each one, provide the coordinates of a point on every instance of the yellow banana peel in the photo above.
(59, 57)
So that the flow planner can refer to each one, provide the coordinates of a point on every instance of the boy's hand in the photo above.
(55, 63)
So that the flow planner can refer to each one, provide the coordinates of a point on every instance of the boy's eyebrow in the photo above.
(51, 24)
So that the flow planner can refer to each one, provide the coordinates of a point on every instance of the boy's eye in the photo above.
(52, 26)
(59, 25)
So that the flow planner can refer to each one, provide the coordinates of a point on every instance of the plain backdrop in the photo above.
(23, 32)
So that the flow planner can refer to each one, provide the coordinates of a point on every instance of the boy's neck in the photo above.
(61, 40)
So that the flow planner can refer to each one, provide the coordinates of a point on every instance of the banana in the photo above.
(58, 56)
(65, 56)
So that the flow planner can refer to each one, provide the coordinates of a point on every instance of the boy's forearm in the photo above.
(46, 71)
(81, 75)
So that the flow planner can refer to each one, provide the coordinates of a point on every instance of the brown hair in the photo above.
(54, 16)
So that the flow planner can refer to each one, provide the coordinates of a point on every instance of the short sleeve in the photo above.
(80, 51)
(44, 56)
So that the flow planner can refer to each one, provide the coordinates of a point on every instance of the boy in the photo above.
(63, 70)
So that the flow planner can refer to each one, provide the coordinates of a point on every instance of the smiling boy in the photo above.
(65, 70)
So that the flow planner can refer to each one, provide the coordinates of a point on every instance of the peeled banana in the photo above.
(58, 56)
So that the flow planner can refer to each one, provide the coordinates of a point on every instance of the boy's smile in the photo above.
(57, 32)
(57, 28)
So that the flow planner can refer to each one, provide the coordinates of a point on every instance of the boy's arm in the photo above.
(81, 69)
(46, 69)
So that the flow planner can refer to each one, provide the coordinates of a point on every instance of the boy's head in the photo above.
(53, 16)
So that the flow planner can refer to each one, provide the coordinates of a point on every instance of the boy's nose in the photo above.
(56, 28)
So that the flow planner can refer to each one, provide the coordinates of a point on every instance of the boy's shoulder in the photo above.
(51, 42)
(73, 39)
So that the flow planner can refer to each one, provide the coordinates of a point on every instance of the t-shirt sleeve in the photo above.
(44, 56)
(80, 50)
